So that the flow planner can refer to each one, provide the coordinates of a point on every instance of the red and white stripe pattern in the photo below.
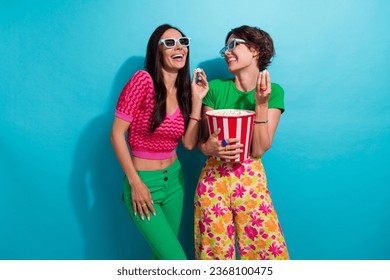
(233, 123)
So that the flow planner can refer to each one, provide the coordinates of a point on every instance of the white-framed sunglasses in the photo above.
(171, 42)
(229, 47)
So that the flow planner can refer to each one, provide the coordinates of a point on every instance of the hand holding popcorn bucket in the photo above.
(234, 123)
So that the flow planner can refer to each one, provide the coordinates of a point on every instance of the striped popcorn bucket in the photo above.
(234, 123)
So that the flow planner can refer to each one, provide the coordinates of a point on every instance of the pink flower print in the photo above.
(201, 189)
(217, 210)
(201, 226)
(252, 193)
(263, 234)
(207, 220)
(275, 250)
(239, 191)
(264, 255)
(209, 178)
(230, 231)
(209, 252)
(238, 170)
(242, 251)
(223, 171)
(250, 171)
(256, 221)
(229, 253)
(266, 209)
(251, 232)
(211, 192)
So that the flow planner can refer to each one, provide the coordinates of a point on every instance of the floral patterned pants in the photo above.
(232, 201)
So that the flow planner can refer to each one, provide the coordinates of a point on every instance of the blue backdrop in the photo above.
(64, 63)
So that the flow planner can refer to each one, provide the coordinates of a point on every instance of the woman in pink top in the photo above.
(157, 107)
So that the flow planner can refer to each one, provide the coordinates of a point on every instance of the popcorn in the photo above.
(198, 70)
(230, 112)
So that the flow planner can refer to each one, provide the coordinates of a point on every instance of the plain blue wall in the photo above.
(63, 64)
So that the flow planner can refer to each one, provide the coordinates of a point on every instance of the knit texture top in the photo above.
(135, 105)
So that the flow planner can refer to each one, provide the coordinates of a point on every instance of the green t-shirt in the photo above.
(223, 94)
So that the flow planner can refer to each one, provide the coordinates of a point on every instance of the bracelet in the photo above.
(195, 119)
(260, 122)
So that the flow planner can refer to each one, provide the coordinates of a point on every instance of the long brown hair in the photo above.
(153, 65)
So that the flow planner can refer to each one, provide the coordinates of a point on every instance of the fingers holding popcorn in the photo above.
(263, 87)
(200, 75)
(199, 85)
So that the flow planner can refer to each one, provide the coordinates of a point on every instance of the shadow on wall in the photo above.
(96, 185)
(215, 69)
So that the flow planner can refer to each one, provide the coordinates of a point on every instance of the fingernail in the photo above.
(154, 213)
(135, 213)
(142, 218)
(149, 219)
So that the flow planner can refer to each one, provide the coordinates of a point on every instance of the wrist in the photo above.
(134, 181)
(196, 109)
(262, 106)
(260, 121)
(261, 112)
(195, 118)
(203, 147)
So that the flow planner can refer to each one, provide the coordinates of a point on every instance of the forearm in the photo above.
(261, 140)
(190, 138)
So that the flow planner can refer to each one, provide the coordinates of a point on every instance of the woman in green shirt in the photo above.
(232, 200)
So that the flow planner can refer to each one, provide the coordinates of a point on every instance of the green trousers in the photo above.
(161, 232)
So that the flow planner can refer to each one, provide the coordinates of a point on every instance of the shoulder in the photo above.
(277, 89)
(277, 97)
(277, 92)
(141, 80)
(141, 75)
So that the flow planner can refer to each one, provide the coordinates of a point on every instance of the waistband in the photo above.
(213, 161)
(153, 155)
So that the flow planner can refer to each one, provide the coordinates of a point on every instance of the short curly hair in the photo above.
(259, 40)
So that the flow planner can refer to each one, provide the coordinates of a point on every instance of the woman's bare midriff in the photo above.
(153, 164)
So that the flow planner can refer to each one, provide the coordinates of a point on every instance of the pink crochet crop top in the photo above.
(135, 105)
